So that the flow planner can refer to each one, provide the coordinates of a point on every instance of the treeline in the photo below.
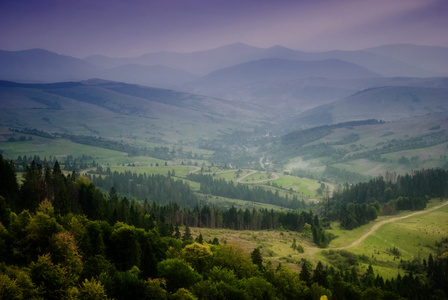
(342, 175)
(33, 131)
(299, 142)
(177, 205)
(97, 141)
(69, 163)
(220, 187)
(360, 203)
(302, 137)
(394, 145)
(238, 219)
(154, 188)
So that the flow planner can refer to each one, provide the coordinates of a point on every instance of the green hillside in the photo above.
(121, 111)
(367, 149)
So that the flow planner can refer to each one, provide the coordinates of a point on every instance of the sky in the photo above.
(130, 28)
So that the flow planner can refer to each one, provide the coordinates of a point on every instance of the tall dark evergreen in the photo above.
(187, 234)
(32, 191)
(305, 272)
(61, 201)
(257, 258)
(320, 275)
(9, 188)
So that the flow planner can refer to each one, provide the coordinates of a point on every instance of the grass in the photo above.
(237, 203)
(144, 166)
(415, 237)
(275, 245)
(255, 177)
(60, 148)
(304, 186)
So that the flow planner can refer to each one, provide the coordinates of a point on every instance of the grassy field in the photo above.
(415, 237)
(275, 245)
(304, 186)
(238, 203)
(143, 167)
(61, 148)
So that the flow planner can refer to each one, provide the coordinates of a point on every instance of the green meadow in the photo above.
(414, 236)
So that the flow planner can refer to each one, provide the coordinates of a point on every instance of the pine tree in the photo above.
(187, 234)
(177, 234)
(320, 275)
(200, 239)
(305, 273)
(257, 259)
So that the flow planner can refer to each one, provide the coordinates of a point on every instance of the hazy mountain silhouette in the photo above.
(430, 58)
(385, 60)
(157, 76)
(38, 65)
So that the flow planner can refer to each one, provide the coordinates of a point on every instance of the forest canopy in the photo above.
(62, 238)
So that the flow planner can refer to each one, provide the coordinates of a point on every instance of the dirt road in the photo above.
(379, 224)
(274, 177)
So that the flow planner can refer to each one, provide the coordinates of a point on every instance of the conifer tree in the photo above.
(200, 239)
(177, 234)
(187, 234)
(305, 273)
(257, 259)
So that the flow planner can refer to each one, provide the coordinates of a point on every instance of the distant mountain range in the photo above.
(416, 61)
(389, 61)
(285, 82)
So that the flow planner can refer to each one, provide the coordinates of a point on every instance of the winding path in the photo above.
(379, 224)
(275, 177)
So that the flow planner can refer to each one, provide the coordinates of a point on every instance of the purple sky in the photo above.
(124, 28)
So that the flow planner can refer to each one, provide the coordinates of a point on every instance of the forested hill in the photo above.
(61, 238)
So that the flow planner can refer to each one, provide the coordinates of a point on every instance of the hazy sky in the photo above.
(124, 28)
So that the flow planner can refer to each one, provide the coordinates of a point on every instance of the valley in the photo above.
(336, 158)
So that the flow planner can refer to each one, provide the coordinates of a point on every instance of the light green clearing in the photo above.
(180, 171)
(230, 175)
(60, 148)
(237, 203)
(303, 186)
(275, 245)
(255, 177)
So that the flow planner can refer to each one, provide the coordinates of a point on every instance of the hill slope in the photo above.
(111, 109)
(383, 103)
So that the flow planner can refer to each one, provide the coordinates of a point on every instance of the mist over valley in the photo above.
(224, 150)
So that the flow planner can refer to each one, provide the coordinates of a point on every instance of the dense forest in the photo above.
(155, 188)
(61, 238)
(355, 205)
